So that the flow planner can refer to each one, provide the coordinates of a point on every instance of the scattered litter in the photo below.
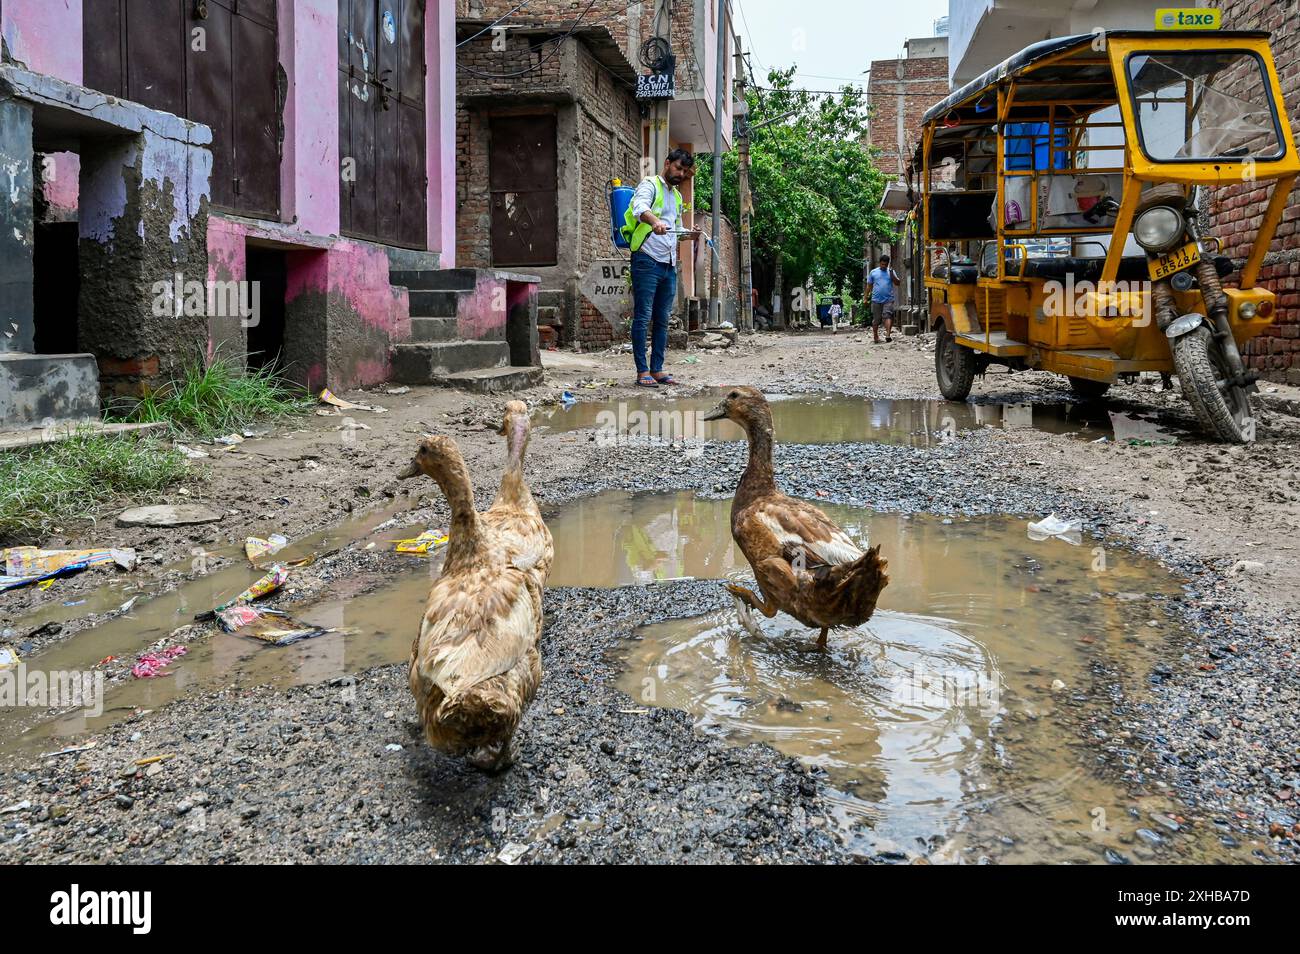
(8, 658)
(192, 453)
(392, 747)
(229, 440)
(1057, 685)
(352, 425)
(273, 580)
(71, 750)
(269, 583)
(329, 397)
(1245, 566)
(512, 852)
(421, 545)
(690, 359)
(155, 758)
(326, 412)
(266, 625)
(151, 665)
(567, 399)
(257, 547)
(395, 391)
(20, 807)
(26, 565)
(126, 607)
(1071, 531)
(74, 602)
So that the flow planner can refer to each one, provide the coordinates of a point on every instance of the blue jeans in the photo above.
(654, 286)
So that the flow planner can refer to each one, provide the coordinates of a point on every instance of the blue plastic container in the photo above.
(620, 197)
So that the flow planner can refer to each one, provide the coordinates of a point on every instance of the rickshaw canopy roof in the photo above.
(1081, 72)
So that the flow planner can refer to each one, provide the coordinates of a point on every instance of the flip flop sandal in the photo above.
(646, 381)
(666, 379)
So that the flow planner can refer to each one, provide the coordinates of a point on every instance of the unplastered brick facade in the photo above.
(906, 86)
(1238, 209)
(587, 84)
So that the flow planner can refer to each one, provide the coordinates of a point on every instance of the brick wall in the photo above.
(922, 81)
(1238, 209)
(598, 138)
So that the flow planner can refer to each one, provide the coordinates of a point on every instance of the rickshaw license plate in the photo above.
(1174, 261)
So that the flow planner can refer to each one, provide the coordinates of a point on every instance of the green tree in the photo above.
(816, 188)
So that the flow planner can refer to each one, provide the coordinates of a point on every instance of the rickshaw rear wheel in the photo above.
(1086, 389)
(1223, 409)
(954, 366)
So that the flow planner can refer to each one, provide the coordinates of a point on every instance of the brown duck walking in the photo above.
(805, 565)
(475, 665)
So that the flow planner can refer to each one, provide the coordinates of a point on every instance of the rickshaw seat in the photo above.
(961, 274)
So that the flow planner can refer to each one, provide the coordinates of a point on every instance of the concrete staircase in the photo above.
(443, 303)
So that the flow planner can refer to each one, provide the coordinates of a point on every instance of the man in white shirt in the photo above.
(656, 228)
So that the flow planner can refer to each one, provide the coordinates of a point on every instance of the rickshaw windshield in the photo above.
(1203, 105)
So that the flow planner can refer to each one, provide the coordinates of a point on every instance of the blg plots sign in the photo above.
(607, 284)
(655, 86)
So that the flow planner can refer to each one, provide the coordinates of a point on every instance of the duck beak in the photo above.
(717, 413)
(410, 470)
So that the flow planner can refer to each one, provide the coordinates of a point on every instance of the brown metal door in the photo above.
(382, 121)
(214, 62)
(525, 225)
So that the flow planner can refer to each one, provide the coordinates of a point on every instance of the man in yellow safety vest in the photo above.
(653, 227)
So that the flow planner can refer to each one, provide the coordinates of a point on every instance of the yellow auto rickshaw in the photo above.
(1065, 223)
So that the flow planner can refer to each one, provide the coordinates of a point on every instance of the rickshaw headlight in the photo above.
(1246, 311)
(1158, 228)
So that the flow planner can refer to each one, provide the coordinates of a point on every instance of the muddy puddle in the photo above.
(835, 418)
(947, 715)
(940, 722)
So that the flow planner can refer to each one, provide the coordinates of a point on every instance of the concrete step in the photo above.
(429, 362)
(434, 304)
(433, 329)
(447, 279)
(36, 389)
(495, 380)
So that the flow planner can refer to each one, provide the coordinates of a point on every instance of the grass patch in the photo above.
(52, 485)
(216, 398)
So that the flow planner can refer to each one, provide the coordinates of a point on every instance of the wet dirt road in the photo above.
(1186, 737)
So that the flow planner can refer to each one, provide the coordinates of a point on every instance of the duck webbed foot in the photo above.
(749, 597)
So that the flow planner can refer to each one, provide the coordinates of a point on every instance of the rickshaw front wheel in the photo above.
(1222, 408)
(1086, 389)
(954, 366)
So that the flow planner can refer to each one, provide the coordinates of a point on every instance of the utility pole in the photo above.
(746, 200)
(715, 303)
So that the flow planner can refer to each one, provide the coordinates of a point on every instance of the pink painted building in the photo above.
(333, 139)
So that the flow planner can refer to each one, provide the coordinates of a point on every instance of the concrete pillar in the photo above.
(17, 226)
(145, 307)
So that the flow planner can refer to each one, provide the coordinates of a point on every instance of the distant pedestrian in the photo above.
(653, 227)
(882, 282)
(837, 312)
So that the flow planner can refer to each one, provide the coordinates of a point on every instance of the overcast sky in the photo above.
(832, 41)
